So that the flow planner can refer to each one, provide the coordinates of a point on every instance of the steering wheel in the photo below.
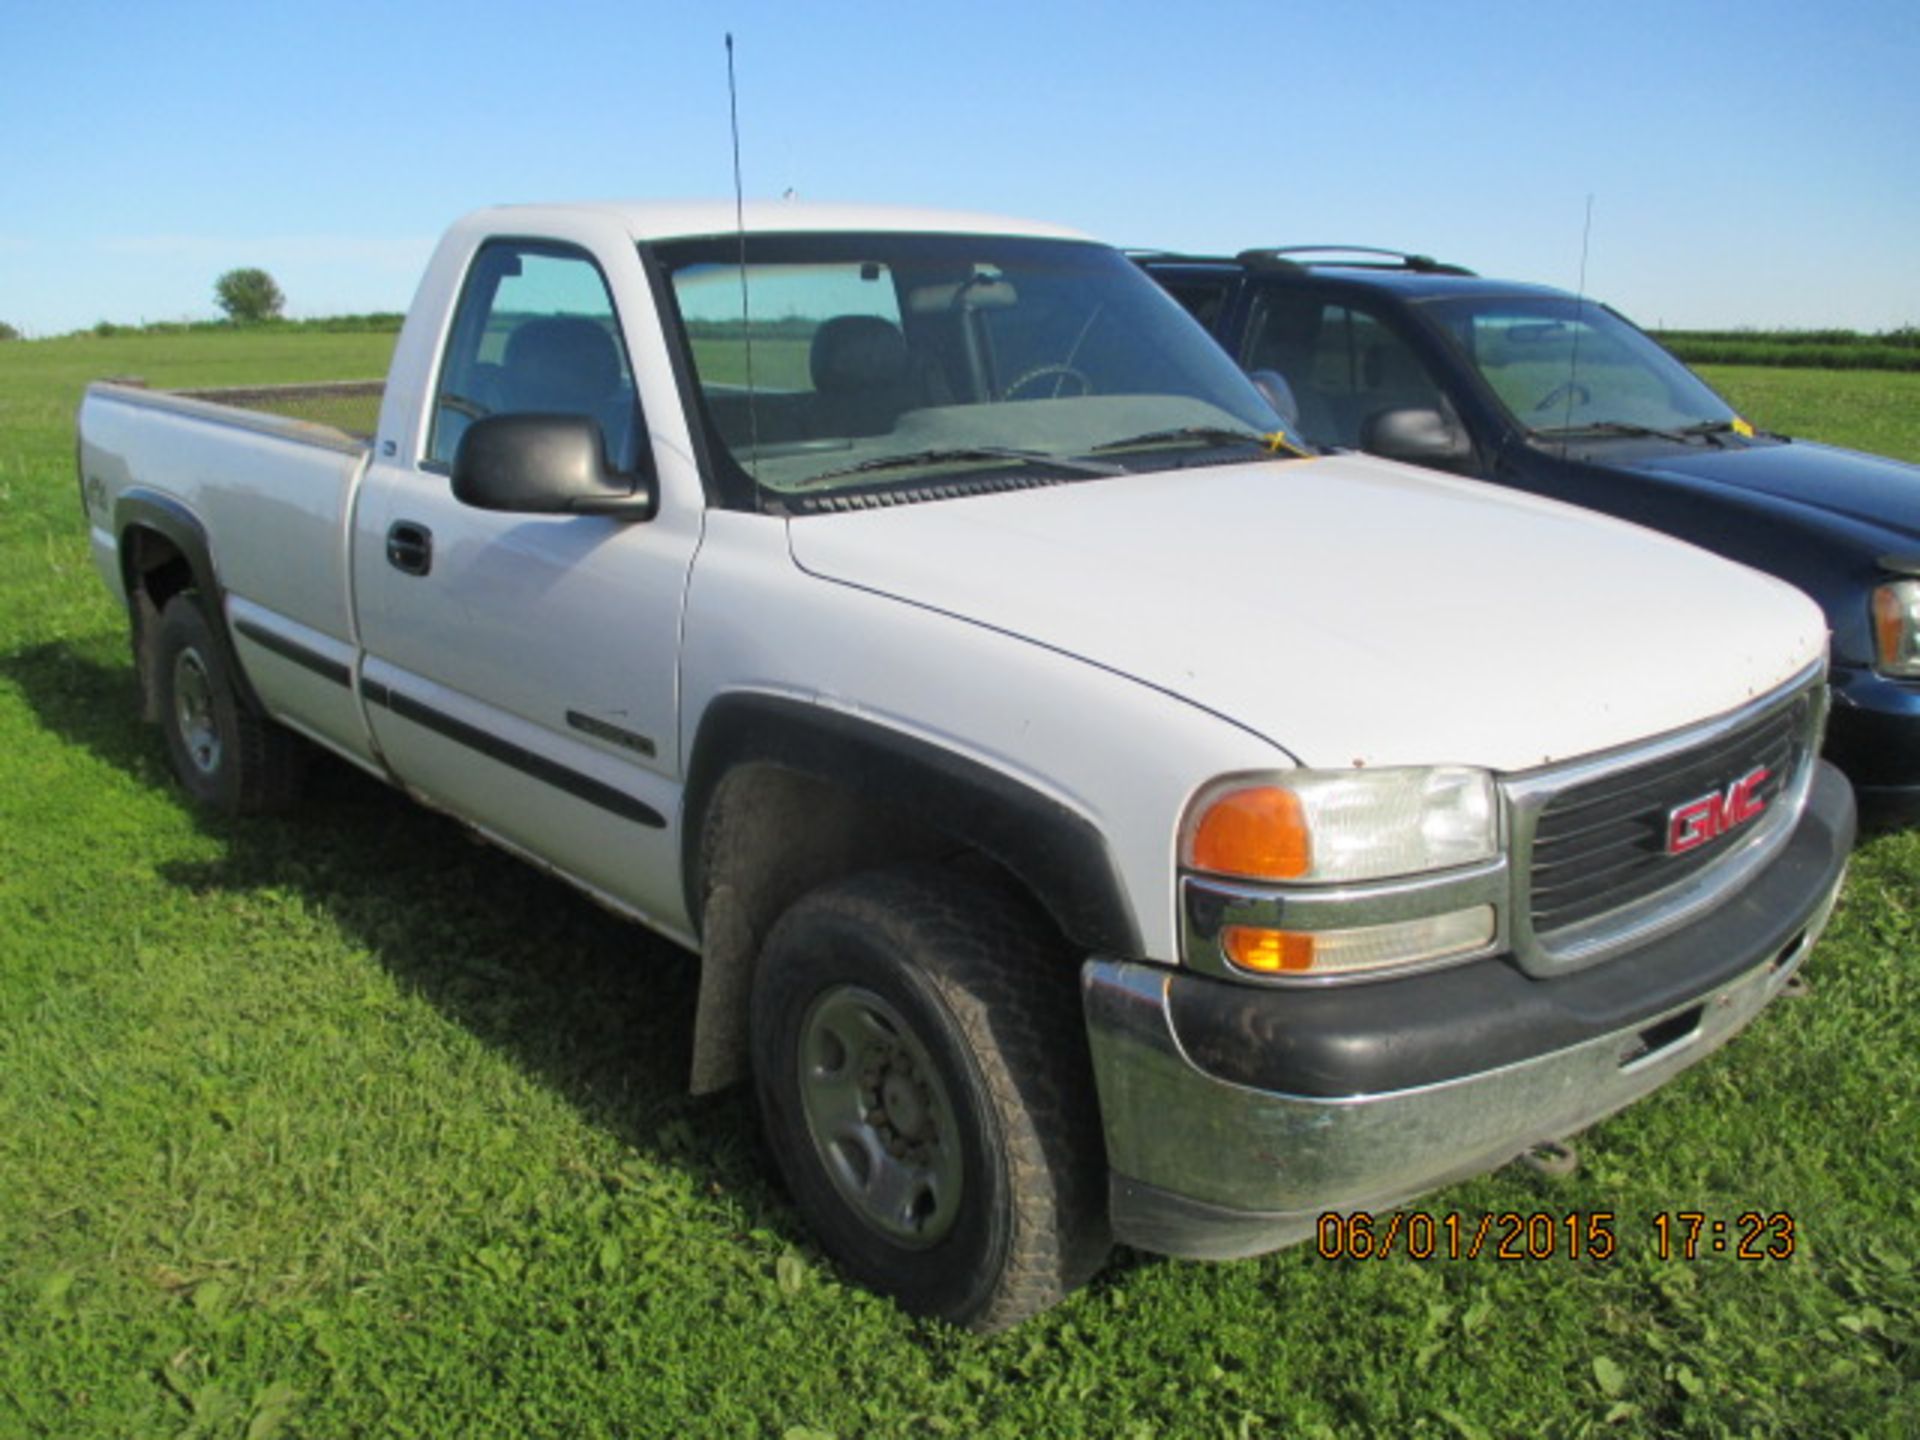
(1573, 389)
(1058, 373)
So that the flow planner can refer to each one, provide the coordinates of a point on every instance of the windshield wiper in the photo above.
(1713, 429)
(959, 454)
(1617, 427)
(1214, 434)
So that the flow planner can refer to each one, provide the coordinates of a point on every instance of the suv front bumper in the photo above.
(1873, 735)
(1236, 1115)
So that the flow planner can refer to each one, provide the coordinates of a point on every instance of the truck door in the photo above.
(521, 670)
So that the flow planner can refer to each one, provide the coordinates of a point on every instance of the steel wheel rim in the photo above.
(879, 1116)
(193, 717)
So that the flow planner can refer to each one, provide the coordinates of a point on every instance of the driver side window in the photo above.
(1343, 364)
(535, 333)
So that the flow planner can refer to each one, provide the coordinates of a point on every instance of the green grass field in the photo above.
(343, 1125)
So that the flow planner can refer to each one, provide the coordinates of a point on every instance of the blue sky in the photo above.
(1751, 164)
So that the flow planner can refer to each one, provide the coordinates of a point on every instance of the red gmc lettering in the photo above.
(1693, 824)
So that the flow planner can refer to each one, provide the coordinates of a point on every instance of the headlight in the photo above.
(1354, 871)
(1896, 628)
(1328, 826)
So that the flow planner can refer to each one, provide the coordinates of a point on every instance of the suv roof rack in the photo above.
(1375, 258)
(1149, 252)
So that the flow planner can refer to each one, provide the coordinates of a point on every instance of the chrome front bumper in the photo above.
(1212, 1167)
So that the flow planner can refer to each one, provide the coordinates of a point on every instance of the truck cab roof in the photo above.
(688, 219)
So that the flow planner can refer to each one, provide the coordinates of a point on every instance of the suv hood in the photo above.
(1350, 610)
(1844, 482)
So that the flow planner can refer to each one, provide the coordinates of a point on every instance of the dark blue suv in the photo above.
(1532, 387)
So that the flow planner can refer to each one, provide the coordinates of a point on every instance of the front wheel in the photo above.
(227, 756)
(922, 1070)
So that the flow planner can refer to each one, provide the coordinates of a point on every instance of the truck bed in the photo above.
(339, 414)
(263, 478)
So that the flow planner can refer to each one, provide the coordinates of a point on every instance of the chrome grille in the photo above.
(1590, 838)
(1602, 845)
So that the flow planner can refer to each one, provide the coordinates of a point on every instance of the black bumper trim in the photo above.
(1397, 1034)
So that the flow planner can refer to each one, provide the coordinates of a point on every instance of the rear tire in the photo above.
(227, 756)
(921, 1062)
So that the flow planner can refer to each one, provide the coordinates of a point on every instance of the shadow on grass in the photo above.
(89, 704)
(599, 1009)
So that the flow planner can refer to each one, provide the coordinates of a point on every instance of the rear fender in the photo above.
(138, 513)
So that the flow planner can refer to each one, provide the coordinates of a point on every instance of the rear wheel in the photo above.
(922, 1070)
(227, 756)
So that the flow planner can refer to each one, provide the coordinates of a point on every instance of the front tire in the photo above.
(227, 756)
(921, 1064)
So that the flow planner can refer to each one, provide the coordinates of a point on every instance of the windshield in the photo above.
(893, 361)
(1564, 366)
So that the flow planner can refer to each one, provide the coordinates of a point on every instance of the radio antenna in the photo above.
(740, 226)
(1579, 317)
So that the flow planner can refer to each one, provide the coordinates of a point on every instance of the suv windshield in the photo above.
(902, 360)
(1573, 367)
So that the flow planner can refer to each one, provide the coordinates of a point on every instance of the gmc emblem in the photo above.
(1693, 824)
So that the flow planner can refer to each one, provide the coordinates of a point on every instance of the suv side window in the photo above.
(535, 333)
(1201, 299)
(1344, 364)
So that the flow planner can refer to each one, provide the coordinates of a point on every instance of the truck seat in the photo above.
(861, 376)
(569, 365)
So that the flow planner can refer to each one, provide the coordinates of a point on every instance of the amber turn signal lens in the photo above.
(1259, 833)
(1267, 952)
(1889, 625)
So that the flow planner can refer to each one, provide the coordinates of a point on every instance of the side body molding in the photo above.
(1055, 852)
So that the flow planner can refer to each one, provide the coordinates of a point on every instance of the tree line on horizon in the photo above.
(1897, 349)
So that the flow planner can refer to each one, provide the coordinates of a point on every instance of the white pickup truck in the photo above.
(1095, 816)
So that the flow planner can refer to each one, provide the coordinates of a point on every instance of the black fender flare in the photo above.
(1057, 853)
(138, 508)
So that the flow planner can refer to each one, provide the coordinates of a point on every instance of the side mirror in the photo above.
(1419, 437)
(1274, 388)
(546, 465)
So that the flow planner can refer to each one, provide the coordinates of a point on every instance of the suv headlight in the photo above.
(1896, 628)
(1329, 826)
(1352, 871)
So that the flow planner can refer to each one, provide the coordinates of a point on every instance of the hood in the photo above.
(1350, 610)
(1861, 487)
